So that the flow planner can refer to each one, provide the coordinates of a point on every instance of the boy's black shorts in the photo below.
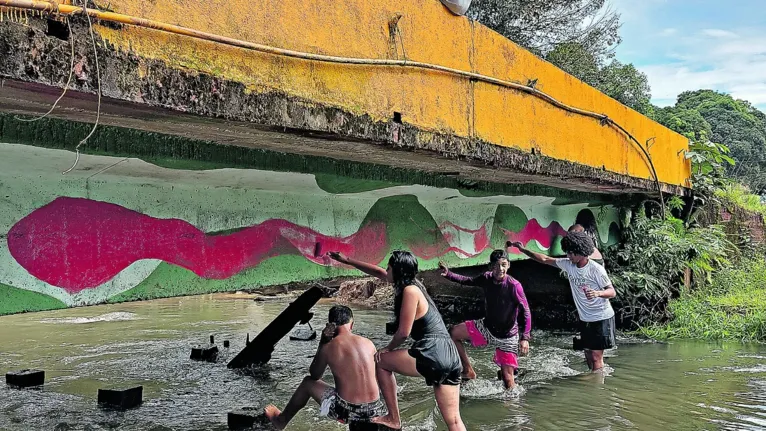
(598, 335)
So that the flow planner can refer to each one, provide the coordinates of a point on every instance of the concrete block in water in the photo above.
(25, 378)
(247, 417)
(121, 398)
(207, 353)
(226, 344)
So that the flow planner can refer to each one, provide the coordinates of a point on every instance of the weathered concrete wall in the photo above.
(118, 228)
(441, 113)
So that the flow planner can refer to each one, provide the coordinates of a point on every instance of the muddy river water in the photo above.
(653, 386)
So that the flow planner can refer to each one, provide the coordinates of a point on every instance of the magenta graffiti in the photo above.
(76, 243)
(533, 231)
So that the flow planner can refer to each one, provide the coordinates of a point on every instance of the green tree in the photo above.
(734, 123)
(542, 25)
(624, 83)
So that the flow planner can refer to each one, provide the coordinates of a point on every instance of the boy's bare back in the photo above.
(351, 359)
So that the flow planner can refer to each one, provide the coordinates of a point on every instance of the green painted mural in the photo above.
(119, 229)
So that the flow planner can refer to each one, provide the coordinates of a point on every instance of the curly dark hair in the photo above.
(578, 243)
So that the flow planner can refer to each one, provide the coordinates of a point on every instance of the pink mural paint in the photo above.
(533, 231)
(449, 232)
(77, 243)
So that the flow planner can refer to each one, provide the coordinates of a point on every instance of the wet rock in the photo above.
(226, 344)
(247, 417)
(121, 398)
(207, 353)
(25, 378)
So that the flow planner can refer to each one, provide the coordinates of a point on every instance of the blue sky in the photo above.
(691, 44)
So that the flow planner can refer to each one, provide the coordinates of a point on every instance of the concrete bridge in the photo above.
(236, 142)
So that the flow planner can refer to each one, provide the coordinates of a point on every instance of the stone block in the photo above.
(121, 398)
(207, 353)
(25, 378)
(226, 344)
(247, 417)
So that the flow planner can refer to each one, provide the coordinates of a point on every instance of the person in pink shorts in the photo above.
(507, 323)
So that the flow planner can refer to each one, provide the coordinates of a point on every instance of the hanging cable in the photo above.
(184, 31)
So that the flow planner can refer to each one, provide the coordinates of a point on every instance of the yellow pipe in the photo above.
(64, 9)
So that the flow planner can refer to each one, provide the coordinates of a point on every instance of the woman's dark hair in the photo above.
(577, 243)
(404, 269)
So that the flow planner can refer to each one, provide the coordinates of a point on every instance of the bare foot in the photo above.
(387, 421)
(273, 413)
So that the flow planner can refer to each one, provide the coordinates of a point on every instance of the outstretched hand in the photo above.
(444, 268)
(517, 244)
(338, 256)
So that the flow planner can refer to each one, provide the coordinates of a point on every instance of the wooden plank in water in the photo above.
(259, 350)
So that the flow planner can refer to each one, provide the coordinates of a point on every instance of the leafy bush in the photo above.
(648, 267)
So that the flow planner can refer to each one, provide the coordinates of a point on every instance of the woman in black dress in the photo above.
(433, 354)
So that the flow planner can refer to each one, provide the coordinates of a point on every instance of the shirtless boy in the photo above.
(351, 359)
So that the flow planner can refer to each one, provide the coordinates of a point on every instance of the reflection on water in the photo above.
(678, 386)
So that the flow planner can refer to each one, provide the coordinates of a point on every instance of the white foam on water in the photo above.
(717, 409)
(119, 316)
(429, 424)
(482, 388)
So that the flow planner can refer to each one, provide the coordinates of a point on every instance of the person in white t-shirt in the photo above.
(591, 290)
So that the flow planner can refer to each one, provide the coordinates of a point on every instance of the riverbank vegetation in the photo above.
(731, 306)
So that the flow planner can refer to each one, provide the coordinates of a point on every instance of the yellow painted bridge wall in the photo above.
(433, 101)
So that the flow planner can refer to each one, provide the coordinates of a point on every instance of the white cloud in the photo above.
(668, 32)
(736, 65)
(718, 33)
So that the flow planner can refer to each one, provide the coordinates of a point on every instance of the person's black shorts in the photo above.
(598, 335)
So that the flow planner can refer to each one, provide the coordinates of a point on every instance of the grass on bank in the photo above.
(737, 195)
(732, 306)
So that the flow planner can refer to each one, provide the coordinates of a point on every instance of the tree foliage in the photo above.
(706, 115)
(649, 264)
(579, 36)
(542, 25)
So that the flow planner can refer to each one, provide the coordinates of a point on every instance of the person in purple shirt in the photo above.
(507, 323)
